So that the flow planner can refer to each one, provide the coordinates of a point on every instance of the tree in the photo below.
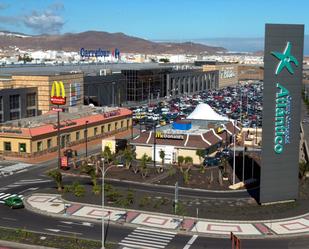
(107, 154)
(180, 160)
(57, 176)
(188, 161)
(162, 156)
(143, 165)
(303, 168)
(128, 156)
(89, 170)
(200, 153)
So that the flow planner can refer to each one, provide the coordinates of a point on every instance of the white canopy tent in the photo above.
(205, 112)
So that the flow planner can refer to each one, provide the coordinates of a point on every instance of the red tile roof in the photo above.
(49, 128)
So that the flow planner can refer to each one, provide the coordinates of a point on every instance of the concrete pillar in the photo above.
(168, 85)
(189, 85)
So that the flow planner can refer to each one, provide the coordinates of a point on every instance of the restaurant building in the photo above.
(184, 138)
(38, 135)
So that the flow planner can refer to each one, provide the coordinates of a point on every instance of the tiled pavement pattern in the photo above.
(53, 204)
(142, 238)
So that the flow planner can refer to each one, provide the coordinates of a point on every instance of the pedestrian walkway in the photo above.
(25, 183)
(54, 204)
(142, 238)
(4, 196)
(14, 168)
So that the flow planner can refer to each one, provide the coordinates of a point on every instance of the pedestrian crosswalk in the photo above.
(24, 182)
(146, 238)
(4, 196)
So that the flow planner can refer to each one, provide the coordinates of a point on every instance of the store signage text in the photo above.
(283, 100)
(162, 135)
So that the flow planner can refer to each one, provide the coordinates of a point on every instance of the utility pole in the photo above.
(234, 160)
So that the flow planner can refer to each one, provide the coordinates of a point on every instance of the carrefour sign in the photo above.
(283, 99)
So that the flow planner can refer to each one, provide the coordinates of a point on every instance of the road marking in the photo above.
(9, 197)
(5, 218)
(4, 196)
(190, 242)
(58, 230)
(28, 189)
(64, 226)
(146, 238)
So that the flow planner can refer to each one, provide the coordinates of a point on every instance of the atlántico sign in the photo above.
(283, 100)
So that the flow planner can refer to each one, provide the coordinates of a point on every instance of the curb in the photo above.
(22, 246)
(179, 230)
(169, 186)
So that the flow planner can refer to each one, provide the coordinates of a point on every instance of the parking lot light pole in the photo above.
(86, 138)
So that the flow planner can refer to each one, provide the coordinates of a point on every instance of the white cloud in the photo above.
(46, 22)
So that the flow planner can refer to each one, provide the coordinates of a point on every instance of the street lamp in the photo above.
(103, 172)
(86, 137)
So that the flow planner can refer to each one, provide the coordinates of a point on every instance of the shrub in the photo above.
(144, 201)
(97, 189)
(79, 190)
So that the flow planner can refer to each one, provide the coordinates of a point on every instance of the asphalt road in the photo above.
(45, 224)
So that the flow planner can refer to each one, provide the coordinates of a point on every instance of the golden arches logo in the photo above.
(58, 93)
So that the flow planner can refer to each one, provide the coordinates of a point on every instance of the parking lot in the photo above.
(242, 102)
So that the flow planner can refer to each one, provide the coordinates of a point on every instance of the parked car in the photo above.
(14, 202)
(211, 161)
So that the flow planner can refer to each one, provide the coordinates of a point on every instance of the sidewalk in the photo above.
(54, 205)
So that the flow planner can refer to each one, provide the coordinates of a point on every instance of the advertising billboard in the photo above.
(75, 93)
(283, 59)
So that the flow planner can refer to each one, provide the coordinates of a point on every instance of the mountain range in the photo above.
(103, 40)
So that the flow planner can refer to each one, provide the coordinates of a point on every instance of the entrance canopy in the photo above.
(205, 112)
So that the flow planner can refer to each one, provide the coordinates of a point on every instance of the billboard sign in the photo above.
(75, 93)
(57, 96)
(283, 56)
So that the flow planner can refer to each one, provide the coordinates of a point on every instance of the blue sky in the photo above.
(153, 19)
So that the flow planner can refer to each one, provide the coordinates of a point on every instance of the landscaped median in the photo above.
(55, 205)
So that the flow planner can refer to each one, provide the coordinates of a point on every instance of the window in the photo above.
(121, 124)
(109, 127)
(116, 125)
(85, 134)
(22, 147)
(39, 146)
(128, 123)
(49, 143)
(30, 99)
(77, 135)
(14, 115)
(68, 139)
(7, 146)
(102, 129)
(14, 101)
(31, 113)
(95, 131)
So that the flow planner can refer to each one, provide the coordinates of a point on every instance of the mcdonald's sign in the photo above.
(57, 96)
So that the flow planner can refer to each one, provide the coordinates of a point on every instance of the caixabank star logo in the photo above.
(57, 96)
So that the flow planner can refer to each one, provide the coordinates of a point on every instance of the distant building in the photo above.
(250, 72)
(228, 73)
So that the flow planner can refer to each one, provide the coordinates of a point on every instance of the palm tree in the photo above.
(57, 176)
(128, 157)
(107, 154)
(200, 153)
(89, 170)
(188, 161)
(143, 165)
(162, 156)
(180, 160)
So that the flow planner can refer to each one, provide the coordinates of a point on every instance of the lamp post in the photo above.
(86, 137)
(103, 218)
(234, 164)
(113, 96)
(58, 137)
